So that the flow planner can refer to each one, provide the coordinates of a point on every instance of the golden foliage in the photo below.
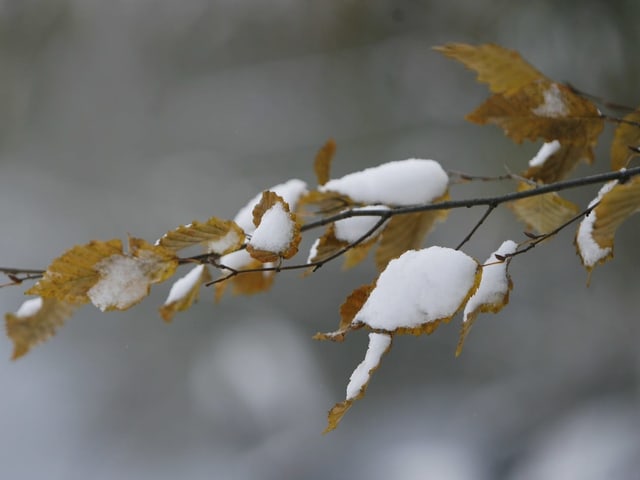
(559, 165)
(182, 303)
(247, 283)
(26, 331)
(626, 135)
(322, 163)
(219, 236)
(348, 311)
(542, 213)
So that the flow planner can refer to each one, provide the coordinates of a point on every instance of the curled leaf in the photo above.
(219, 236)
(184, 292)
(322, 163)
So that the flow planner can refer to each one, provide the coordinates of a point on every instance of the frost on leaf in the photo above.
(403, 182)
(418, 290)
(277, 232)
(493, 293)
(322, 163)
(36, 320)
(627, 134)
(379, 344)
(526, 104)
(247, 283)
(542, 213)
(617, 202)
(218, 236)
(558, 163)
(184, 292)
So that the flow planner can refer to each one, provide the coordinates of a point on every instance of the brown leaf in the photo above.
(37, 320)
(348, 311)
(323, 203)
(406, 232)
(596, 233)
(559, 165)
(184, 292)
(322, 164)
(248, 283)
(542, 213)
(219, 236)
(626, 135)
(263, 246)
(329, 245)
(504, 70)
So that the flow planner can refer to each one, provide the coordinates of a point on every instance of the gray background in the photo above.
(137, 116)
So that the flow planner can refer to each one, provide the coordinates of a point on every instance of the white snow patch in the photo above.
(222, 244)
(553, 105)
(122, 283)
(290, 191)
(418, 287)
(547, 149)
(313, 251)
(181, 288)
(378, 345)
(275, 232)
(236, 260)
(403, 182)
(494, 284)
(589, 249)
(353, 228)
(29, 307)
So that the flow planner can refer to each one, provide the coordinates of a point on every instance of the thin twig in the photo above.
(490, 209)
(600, 100)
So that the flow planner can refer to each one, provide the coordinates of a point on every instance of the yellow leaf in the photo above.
(504, 70)
(184, 292)
(595, 236)
(219, 236)
(406, 232)
(277, 233)
(323, 203)
(542, 213)
(36, 321)
(348, 311)
(248, 283)
(626, 135)
(322, 164)
(329, 245)
(379, 344)
(71, 276)
(559, 165)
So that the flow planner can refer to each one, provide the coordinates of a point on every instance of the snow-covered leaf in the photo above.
(277, 233)
(322, 163)
(493, 293)
(558, 164)
(626, 135)
(379, 344)
(403, 182)
(542, 213)
(36, 320)
(418, 290)
(617, 202)
(247, 283)
(184, 292)
(219, 236)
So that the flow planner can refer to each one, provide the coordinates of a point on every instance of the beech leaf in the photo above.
(559, 164)
(626, 135)
(542, 213)
(184, 292)
(36, 320)
(219, 236)
(322, 163)
(246, 283)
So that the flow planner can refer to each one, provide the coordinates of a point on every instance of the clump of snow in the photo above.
(275, 232)
(553, 105)
(418, 287)
(181, 288)
(379, 343)
(547, 149)
(290, 191)
(29, 308)
(353, 228)
(590, 252)
(223, 243)
(123, 282)
(236, 260)
(494, 284)
(313, 251)
(403, 182)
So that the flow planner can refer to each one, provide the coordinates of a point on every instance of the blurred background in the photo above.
(135, 116)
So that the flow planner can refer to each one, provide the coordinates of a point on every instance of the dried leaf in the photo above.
(322, 164)
(71, 276)
(184, 292)
(323, 203)
(542, 213)
(247, 283)
(348, 310)
(219, 236)
(35, 321)
(559, 165)
(504, 70)
(493, 293)
(595, 237)
(626, 135)
(406, 232)
(379, 344)
(277, 233)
